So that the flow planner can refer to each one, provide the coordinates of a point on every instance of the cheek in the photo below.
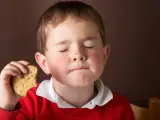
(96, 59)
(96, 63)
(58, 65)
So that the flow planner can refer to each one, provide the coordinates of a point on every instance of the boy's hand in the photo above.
(8, 98)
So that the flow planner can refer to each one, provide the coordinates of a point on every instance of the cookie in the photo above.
(22, 85)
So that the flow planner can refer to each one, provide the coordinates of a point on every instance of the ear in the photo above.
(106, 51)
(42, 62)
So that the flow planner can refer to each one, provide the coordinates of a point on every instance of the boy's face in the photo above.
(75, 55)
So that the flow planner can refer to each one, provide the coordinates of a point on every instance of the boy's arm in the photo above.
(11, 115)
(8, 115)
(10, 108)
(24, 109)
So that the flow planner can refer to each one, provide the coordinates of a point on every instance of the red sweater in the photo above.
(33, 107)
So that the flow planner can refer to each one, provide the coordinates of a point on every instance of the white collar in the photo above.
(46, 90)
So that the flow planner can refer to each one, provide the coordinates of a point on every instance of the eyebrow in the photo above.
(83, 39)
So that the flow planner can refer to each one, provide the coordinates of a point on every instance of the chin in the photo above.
(76, 85)
(80, 82)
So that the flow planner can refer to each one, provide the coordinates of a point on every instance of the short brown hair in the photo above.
(58, 12)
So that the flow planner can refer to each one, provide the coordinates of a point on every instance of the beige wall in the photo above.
(133, 30)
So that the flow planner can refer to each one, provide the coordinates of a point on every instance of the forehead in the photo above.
(72, 29)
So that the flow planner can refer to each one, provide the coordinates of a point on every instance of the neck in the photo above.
(75, 96)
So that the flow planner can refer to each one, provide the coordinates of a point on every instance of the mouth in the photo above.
(76, 69)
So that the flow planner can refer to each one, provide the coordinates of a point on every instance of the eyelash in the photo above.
(63, 50)
(85, 47)
(89, 47)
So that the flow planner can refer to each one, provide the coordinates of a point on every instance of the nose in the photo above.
(79, 58)
(78, 55)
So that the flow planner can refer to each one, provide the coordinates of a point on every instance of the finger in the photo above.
(13, 67)
(22, 67)
(6, 73)
(23, 62)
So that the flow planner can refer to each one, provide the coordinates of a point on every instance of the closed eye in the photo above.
(63, 50)
(88, 46)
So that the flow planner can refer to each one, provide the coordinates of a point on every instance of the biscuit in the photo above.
(22, 85)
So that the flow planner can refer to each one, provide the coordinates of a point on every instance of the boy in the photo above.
(72, 48)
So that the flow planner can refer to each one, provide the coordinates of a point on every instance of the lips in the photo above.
(78, 69)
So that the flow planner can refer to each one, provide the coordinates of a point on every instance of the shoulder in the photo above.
(119, 107)
(123, 106)
(119, 98)
(118, 101)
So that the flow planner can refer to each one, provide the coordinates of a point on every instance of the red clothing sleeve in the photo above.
(24, 109)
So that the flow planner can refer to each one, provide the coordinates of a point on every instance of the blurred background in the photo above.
(132, 30)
